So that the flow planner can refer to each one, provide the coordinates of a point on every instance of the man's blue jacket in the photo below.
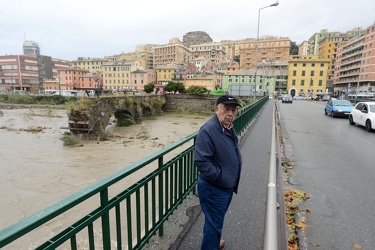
(217, 155)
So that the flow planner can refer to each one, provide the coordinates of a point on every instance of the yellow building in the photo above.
(207, 81)
(327, 50)
(91, 64)
(164, 74)
(117, 74)
(307, 75)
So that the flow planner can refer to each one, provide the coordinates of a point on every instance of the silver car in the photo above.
(287, 98)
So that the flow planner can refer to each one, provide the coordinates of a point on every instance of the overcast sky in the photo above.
(69, 29)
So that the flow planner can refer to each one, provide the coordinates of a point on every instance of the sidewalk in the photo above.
(244, 224)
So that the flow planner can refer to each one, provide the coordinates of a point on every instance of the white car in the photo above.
(363, 114)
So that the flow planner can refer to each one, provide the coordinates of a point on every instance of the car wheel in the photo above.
(325, 112)
(332, 114)
(351, 122)
(368, 126)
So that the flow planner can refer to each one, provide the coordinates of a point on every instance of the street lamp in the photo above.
(256, 48)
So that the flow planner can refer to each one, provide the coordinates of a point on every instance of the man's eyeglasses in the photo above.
(227, 109)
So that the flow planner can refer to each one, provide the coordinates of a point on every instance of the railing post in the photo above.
(161, 196)
(105, 220)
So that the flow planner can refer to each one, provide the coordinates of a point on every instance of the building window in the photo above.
(311, 82)
(312, 73)
(320, 82)
(294, 82)
(302, 82)
(304, 65)
(303, 73)
(294, 73)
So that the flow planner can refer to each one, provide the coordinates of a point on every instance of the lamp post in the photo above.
(256, 47)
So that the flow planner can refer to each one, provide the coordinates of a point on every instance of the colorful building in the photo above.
(171, 53)
(117, 74)
(207, 81)
(269, 48)
(355, 64)
(70, 78)
(307, 76)
(140, 78)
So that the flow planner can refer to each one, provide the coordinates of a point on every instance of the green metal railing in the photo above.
(131, 216)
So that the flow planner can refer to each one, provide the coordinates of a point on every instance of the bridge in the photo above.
(127, 214)
(90, 116)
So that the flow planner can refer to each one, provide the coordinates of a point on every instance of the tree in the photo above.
(175, 86)
(293, 48)
(237, 59)
(148, 88)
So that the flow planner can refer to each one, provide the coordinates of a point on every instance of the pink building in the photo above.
(140, 78)
(70, 78)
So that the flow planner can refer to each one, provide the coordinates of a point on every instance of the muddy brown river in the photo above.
(37, 170)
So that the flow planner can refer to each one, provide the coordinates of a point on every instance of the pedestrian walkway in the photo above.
(244, 223)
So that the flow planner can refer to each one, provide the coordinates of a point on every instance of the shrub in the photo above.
(197, 90)
(69, 140)
(124, 120)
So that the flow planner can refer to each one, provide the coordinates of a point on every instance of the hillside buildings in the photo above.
(269, 48)
(327, 62)
(355, 64)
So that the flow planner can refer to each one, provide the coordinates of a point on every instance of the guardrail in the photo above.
(271, 236)
(125, 213)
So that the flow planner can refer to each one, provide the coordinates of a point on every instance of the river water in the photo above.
(36, 170)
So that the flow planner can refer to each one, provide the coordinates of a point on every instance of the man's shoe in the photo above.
(222, 244)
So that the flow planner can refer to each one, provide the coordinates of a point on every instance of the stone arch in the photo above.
(117, 113)
(146, 112)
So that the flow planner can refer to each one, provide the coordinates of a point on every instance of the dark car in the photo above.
(287, 98)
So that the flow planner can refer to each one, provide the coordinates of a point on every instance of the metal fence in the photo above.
(122, 213)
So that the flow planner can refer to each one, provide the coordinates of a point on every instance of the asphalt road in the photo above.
(335, 165)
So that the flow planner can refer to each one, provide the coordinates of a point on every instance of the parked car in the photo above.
(287, 98)
(326, 98)
(336, 107)
(297, 98)
(363, 114)
(322, 97)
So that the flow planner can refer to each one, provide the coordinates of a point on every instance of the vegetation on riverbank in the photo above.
(36, 99)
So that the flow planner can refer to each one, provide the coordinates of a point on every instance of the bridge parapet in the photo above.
(91, 115)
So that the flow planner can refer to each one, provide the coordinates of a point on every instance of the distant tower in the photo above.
(31, 48)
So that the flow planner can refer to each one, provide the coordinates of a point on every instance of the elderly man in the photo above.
(218, 159)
